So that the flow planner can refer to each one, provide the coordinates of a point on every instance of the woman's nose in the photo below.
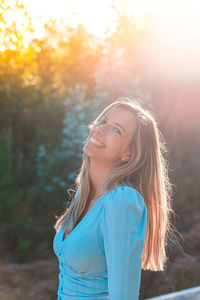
(97, 129)
(100, 129)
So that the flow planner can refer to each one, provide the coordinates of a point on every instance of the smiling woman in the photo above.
(115, 133)
(118, 221)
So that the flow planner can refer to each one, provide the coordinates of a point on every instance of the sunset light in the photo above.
(97, 16)
(169, 29)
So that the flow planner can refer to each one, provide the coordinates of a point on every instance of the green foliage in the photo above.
(186, 180)
(41, 135)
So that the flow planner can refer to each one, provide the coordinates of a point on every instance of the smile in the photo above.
(94, 141)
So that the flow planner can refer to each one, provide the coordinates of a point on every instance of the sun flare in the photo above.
(96, 16)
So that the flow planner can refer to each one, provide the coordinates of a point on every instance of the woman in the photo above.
(118, 221)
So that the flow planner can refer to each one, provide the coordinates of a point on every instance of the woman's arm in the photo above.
(124, 231)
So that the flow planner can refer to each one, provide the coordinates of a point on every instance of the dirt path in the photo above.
(29, 281)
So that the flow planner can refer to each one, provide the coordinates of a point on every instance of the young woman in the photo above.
(118, 220)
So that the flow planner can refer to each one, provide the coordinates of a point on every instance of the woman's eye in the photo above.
(117, 130)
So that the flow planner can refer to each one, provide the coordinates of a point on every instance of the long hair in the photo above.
(146, 171)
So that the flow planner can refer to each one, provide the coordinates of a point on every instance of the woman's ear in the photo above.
(125, 157)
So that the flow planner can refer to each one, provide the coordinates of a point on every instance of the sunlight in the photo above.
(97, 16)
(176, 41)
(16, 19)
(176, 24)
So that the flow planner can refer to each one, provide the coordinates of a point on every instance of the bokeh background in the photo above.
(61, 63)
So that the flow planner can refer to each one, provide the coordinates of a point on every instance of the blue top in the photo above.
(101, 258)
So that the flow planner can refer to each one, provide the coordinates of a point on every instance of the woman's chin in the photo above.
(89, 152)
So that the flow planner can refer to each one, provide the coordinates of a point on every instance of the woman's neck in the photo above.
(98, 175)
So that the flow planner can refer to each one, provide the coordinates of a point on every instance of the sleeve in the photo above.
(124, 229)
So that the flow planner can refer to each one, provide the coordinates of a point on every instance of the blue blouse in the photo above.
(101, 258)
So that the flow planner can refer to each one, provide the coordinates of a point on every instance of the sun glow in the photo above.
(97, 16)
(174, 40)
(171, 37)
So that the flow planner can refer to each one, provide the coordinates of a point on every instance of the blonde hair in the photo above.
(146, 171)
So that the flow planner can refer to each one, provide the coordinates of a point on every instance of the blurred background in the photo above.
(61, 63)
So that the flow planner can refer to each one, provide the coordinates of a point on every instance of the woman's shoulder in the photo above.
(125, 203)
(125, 191)
(125, 196)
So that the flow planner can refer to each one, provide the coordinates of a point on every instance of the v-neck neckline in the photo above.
(83, 219)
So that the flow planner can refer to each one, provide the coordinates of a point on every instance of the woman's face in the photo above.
(108, 141)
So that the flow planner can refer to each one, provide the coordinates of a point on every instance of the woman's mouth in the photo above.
(93, 141)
